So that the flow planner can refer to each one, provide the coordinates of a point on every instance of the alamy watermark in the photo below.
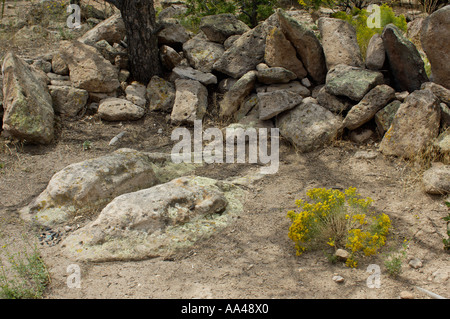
(74, 19)
(190, 149)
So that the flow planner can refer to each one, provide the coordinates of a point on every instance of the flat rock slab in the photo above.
(309, 126)
(84, 187)
(352, 82)
(414, 127)
(117, 109)
(157, 221)
(29, 113)
(273, 103)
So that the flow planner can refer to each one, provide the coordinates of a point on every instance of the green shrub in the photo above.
(358, 19)
(248, 11)
(23, 274)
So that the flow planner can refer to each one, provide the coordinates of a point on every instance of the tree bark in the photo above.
(140, 22)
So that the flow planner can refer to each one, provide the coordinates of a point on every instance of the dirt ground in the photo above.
(253, 257)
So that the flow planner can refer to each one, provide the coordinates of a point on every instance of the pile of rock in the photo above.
(278, 74)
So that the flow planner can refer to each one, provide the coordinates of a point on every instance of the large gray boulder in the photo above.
(415, 125)
(339, 42)
(405, 62)
(220, 27)
(281, 53)
(371, 103)
(88, 185)
(436, 180)
(173, 34)
(352, 82)
(202, 53)
(245, 53)
(307, 45)
(68, 101)
(233, 98)
(309, 126)
(191, 102)
(111, 30)
(27, 103)
(160, 94)
(336, 104)
(157, 221)
(88, 69)
(186, 72)
(118, 109)
(434, 38)
(273, 103)
(275, 75)
(375, 54)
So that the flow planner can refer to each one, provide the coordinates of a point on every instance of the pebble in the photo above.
(415, 263)
(406, 295)
(342, 254)
(338, 279)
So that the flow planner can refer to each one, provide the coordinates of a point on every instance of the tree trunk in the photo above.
(140, 22)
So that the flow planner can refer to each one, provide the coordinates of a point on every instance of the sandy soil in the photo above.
(252, 258)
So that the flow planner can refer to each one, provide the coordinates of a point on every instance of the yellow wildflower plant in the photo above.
(338, 219)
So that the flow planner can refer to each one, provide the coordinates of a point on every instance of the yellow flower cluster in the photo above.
(343, 215)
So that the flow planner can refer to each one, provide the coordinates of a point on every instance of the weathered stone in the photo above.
(375, 54)
(441, 92)
(385, 116)
(361, 135)
(169, 57)
(307, 45)
(84, 186)
(275, 75)
(28, 112)
(157, 221)
(42, 65)
(221, 26)
(309, 126)
(443, 142)
(333, 103)
(192, 74)
(107, 50)
(202, 53)
(191, 101)
(246, 107)
(59, 66)
(436, 180)
(372, 102)
(280, 53)
(111, 30)
(339, 43)
(352, 82)
(173, 34)
(237, 93)
(245, 53)
(273, 103)
(415, 125)
(293, 86)
(68, 101)
(434, 38)
(135, 93)
(171, 13)
(117, 109)
(88, 69)
(229, 42)
(160, 94)
(405, 62)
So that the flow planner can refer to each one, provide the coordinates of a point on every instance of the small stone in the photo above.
(415, 263)
(406, 295)
(338, 279)
(342, 254)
